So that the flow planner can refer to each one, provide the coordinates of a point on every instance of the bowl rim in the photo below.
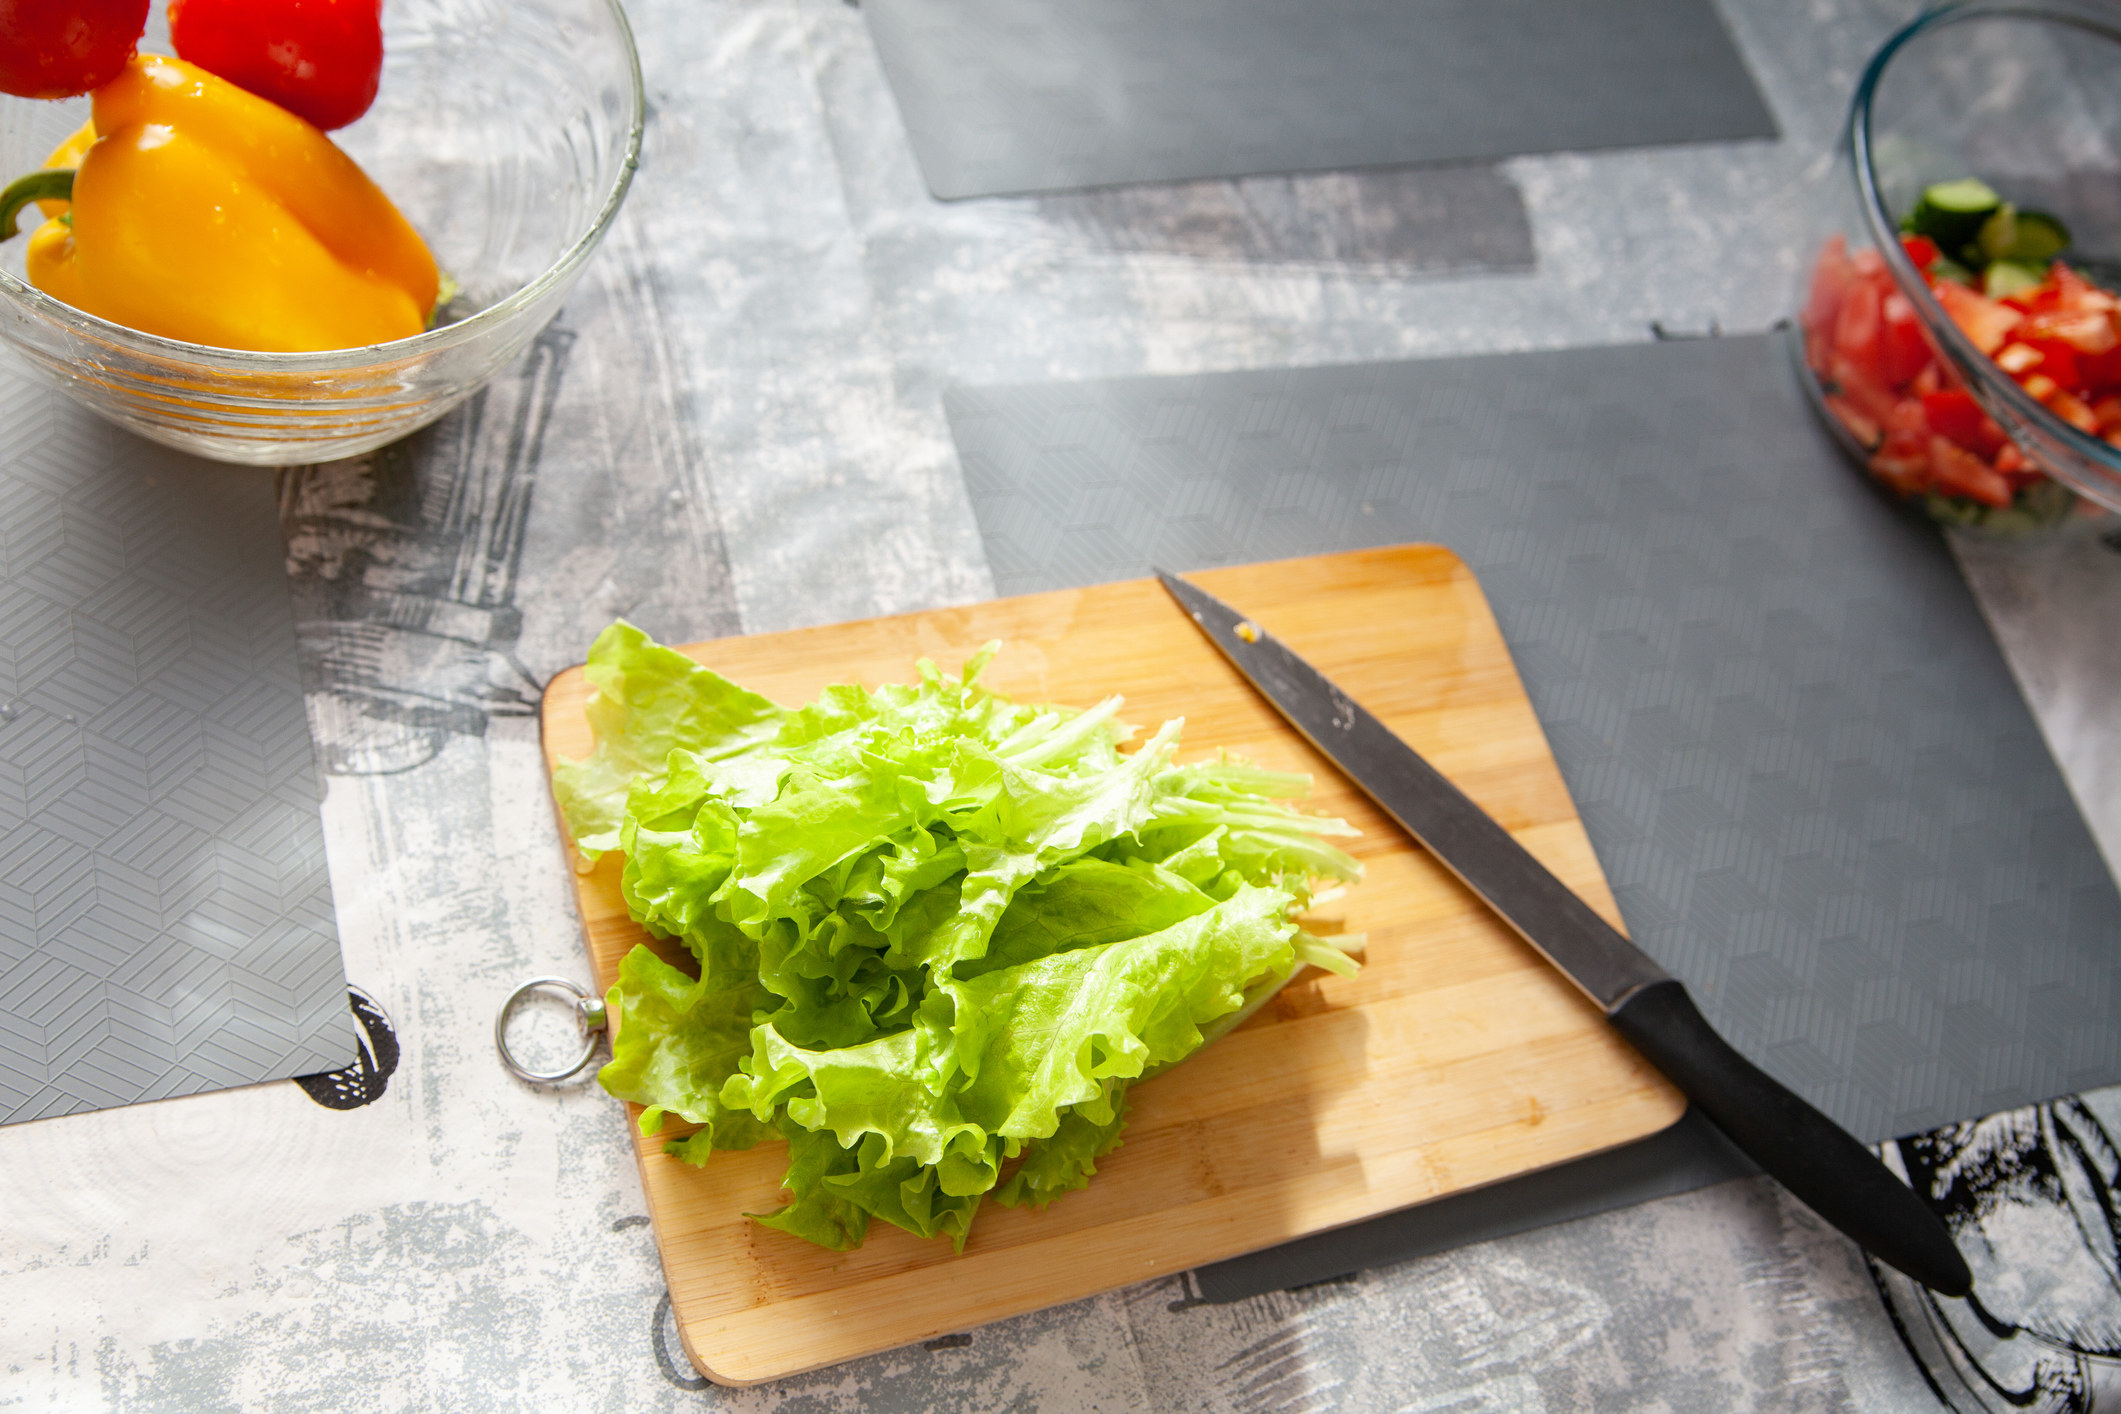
(1973, 364)
(427, 341)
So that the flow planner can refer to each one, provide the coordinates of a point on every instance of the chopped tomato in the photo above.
(1832, 274)
(2101, 371)
(1961, 473)
(1955, 415)
(1859, 325)
(1909, 475)
(2072, 410)
(2015, 465)
(2074, 292)
(1903, 352)
(2015, 358)
(1985, 321)
(1860, 425)
(1869, 396)
(1904, 404)
(2058, 360)
(2089, 331)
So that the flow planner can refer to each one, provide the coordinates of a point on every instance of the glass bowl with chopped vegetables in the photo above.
(281, 232)
(1959, 321)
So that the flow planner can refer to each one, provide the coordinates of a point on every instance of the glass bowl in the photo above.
(2026, 98)
(505, 130)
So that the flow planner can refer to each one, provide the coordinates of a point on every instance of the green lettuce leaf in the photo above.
(649, 700)
(678, 1041)
(1063, 1163)
(938, 934)
(1001, 1056)
(816, 1212)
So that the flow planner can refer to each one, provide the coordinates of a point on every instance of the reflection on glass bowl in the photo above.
(507, 131)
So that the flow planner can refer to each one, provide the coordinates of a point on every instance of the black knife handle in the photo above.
(1815, 1158)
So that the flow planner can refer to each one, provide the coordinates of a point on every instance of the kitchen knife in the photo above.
(1816, 1159)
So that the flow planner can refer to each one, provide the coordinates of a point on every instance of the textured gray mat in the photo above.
(1808, 773)
(1809, 776)
(166, 922)
(1004, 96)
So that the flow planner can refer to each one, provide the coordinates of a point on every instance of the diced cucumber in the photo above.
(1952, 213)
(1966, 196)
(2040, 238)
(1998, 233)
(2008, 277)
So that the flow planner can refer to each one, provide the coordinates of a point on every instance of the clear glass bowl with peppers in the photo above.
(1959, 320)
(315, 226)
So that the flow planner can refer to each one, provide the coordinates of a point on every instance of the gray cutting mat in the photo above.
(1808, 773)
(166, 923)
(1003, 96)
(1811, 780)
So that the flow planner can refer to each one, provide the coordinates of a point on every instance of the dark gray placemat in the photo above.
(1807, 771)
(1004, 96)
(166, 922)
(1815, 788)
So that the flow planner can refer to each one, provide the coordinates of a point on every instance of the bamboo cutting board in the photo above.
(1456, 1058)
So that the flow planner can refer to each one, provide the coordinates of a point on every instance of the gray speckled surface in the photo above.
(775, 454)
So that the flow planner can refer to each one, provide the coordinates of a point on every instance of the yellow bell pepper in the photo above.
(205, 213)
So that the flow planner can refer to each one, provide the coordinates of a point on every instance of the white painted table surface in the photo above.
(742, 431)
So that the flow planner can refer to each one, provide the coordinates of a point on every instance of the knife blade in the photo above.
(1816, 1159)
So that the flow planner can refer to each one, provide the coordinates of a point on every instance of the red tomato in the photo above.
(58, 48)
(2074, 292)
(2087, 331)
(320, 59)
(1902, 458)
(1908, 419)
(1832, 275)
(1861, 389)
(1961, 473)
(2015, 358)
(2071, 409)
(2057, 360)
(1859, 426)
(1902, 351)
(1982, 320)
(1907, 473)
(2064, 291)
(1921, 250)
(1858, 326)
(2101, 371)
(1954, 414)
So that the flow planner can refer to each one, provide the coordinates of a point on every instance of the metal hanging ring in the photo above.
(588, 1014)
